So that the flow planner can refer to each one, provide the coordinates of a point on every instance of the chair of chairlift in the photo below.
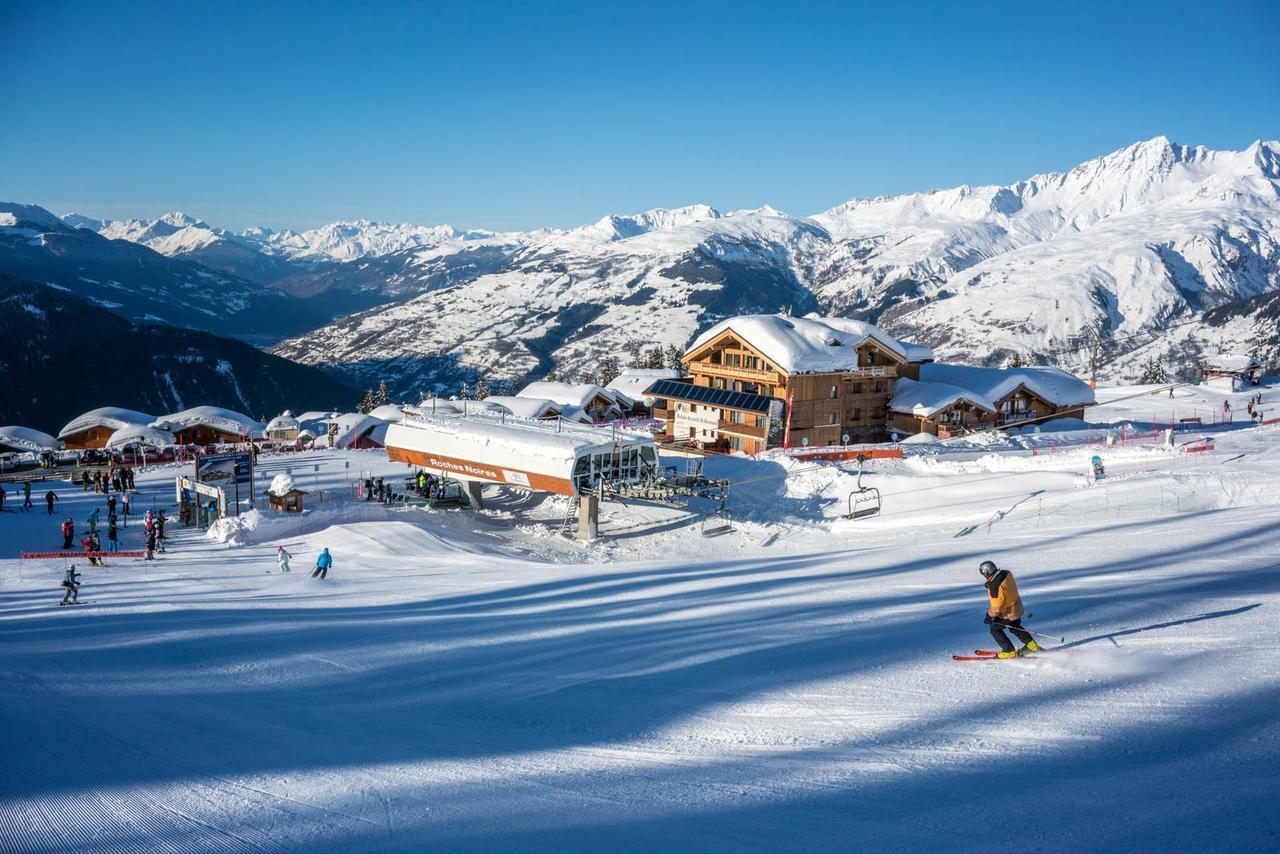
(717, 522)
(864, 501)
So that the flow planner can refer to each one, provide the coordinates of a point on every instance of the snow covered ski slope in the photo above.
(471, 681)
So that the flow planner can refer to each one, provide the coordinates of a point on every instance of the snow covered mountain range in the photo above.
(1158, 247)
(1132, 248)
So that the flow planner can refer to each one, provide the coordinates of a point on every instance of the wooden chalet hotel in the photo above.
(768, 379)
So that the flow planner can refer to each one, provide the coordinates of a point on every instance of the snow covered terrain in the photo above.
(472, 681)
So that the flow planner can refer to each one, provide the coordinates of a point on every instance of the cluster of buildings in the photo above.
(762, 380)
(751, 382)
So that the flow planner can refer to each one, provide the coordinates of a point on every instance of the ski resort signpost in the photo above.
(232, 473)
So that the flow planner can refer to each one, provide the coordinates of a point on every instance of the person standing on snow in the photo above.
(1, 499)
(93, 521)
(26, 496)
(151, 543)
(323, 562)
(113, 535)
(68, 531)
(1005, 611)
(124, 501)
(282, 559)
(49, 498)
(71, 583)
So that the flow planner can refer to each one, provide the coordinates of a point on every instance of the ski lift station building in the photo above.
(542, 456)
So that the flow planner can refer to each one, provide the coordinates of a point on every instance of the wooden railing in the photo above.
(734, 427)
(751, 374)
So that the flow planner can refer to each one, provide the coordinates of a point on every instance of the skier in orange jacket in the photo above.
(1005, 611)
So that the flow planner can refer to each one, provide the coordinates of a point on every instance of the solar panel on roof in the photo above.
(711, 396)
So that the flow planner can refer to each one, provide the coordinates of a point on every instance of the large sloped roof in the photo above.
(226, 420)
(1230, 362)
(811, 344)
(1051, 384)
(114, 417)
(570, 394)
(924, 399)
(140, 434)
(633, 382)
(19, 438)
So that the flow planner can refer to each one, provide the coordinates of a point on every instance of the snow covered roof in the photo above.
(283, 421)
(519, 443)
(351, 427)
(106, 416)
(570, 394)
(526, 407)
(810, 344)
(140, 434)
(924, 399)
(225, 420)
(994, 384)
(634, 381)
(26, 439)
(388, 412)
(1230, 363)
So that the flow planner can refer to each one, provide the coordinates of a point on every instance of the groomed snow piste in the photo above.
(469, 681)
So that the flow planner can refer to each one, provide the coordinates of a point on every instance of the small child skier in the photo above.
(282, 559)
(1005, 611)
(71, 583)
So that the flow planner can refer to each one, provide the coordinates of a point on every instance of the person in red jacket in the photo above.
(68, 531)
(1005, 611)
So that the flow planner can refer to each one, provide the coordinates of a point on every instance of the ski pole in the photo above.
(1004, 625)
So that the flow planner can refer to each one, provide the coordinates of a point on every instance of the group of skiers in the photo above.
(323, 561)
(1254, 408)
(114, 479)
(425, 484)
(376, 490)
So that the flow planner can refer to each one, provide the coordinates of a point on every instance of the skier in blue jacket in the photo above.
(323, 562)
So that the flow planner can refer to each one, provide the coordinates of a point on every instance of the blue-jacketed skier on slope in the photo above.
(323, 562)
(71, 585)
(1005, 611)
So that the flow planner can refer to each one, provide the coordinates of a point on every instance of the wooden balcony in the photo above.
(874, 372)
(749, 430)
(746, 374)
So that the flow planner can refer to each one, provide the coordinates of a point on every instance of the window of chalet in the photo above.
(761, 421)
(856, 415)
(879, 388)
(831, 418)
(715, 357)
(736, 417)
(855, 388)
(834, 392)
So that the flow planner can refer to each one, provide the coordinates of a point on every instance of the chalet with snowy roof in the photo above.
(768, 379)
(955, 399)
(95, 428)
(598, 402)
(26, 439)
(283, 428)
(209, 425)
(357, 430)
(632, 384)
(539, 408)
(1230, 372)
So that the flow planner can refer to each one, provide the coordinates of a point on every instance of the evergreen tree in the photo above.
(608, 371)
(675, 358)
(1017, 360)
(464, 393)
(635, 353)
(381, 398)
(553, 376)
(482, 389)
(654, 358)
(366, 404)
(1153, 372)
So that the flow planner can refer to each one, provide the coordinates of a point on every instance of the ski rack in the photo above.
(864, 502)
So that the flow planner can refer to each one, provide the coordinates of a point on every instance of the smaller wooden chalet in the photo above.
(1231, 372)
(713, 417)
(952, 399)
(284, 428)
(598, 402)
(209, 425)
(939, 409)
(94, 428)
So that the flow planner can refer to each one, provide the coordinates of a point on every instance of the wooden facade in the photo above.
(203, 434)
(92, 437)
(957, 419)
(824, 408)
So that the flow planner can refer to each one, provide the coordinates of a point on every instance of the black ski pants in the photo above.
(321, 572)
(1015, 626)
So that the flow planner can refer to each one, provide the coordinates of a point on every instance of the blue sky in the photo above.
(519, 115)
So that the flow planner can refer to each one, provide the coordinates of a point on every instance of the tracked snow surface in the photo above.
(470, 681)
